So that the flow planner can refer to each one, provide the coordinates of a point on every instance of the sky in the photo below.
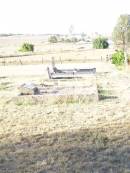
(56, 16)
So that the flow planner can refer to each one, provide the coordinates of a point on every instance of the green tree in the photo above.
(121, 32)
(27, 47)
(100, 43)
(53, 39)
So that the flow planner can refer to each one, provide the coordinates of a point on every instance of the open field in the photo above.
(44, 51)
(38, 135)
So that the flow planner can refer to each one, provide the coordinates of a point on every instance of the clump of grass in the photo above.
(71, 100)
(65, 100)
(99, 139)
(75, 99)
(105, 93)
(25, 101)
(4, 85)
(2, 160)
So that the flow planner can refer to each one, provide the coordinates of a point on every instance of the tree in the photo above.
(100, 43)
(83, 35)
(121, 32)
(53, 39)
(26, 47)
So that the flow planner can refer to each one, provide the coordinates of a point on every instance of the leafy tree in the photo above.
(100, 43)
(74, 40)
(53, 39)
(26, 47)
(69, 40)
(121, 32)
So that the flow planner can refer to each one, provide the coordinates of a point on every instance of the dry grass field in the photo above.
(72, 136)
(44, 51)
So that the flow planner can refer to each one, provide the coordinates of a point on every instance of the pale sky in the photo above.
(56, 16)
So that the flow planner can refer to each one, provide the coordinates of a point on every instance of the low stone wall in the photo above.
(65, 91)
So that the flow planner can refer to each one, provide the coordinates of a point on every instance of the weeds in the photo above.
(106, 93)
(23, 101)
(75, 99)
(4, 85)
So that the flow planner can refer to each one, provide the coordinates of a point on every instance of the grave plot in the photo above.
(76, 89)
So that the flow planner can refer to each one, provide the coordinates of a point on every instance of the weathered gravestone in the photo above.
(28, 89)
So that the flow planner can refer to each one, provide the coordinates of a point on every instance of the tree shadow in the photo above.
(3, 77)
(77, 151)
(102, 97)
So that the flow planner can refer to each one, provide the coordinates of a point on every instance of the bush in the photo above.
(62, 40)
(118, 58)
(69, 40)
(26, 47)
(53, 39)
(100, 43)
(74, 39)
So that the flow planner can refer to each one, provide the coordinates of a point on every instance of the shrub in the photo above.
(69, 40)
(74, 39)
(26, 47)
(100, 43)
(53, 39)
(118, 58)
(62, 40)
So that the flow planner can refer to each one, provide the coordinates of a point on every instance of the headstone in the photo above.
(28, 89)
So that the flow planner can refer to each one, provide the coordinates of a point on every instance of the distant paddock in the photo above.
(60, 56)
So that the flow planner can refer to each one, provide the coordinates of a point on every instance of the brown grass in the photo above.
(44, 51)
(45, 135)
(74, 137)
(83, 150)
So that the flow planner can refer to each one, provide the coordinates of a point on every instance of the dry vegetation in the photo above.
(69, 137)
(44, 51)
(72, 136)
